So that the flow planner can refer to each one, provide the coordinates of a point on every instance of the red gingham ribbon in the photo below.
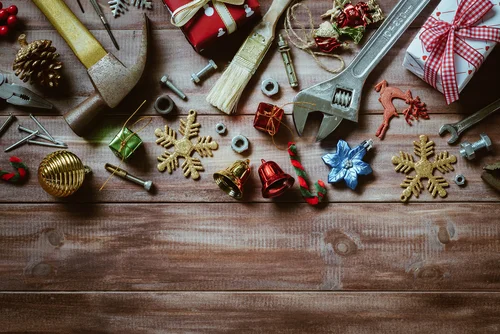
(443, 40)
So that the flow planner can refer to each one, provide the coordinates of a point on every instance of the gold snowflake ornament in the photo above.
(184, 148)
(424, 169)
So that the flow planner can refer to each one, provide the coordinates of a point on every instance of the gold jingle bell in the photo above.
(61, 173)
(232, 179)
(275, 182)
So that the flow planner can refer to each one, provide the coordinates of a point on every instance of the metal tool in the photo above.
(284, 49)
(197, 77)
(42, 143)
(20, 96)
(104, 22)
(491, 175)
(111, 79)
(339, 98)
(456, 129)
(125, 175)
(270, 87)
(39, 135)
(43, 128)
(164, 105)
(164, 80)
(460, 180)
(80, 4)
(7, 122)
(22, 141)
(469, 150)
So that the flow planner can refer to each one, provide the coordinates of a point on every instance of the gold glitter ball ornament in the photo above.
(62, 173)
(37, 62)
(424, 169)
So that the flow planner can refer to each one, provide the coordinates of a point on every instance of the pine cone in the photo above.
(37, 62)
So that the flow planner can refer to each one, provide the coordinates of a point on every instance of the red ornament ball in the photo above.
(12, 21)
(4, 14)
(12, 10)
(4, 30)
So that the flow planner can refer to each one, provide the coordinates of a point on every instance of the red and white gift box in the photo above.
(205, 22)
(453, 44)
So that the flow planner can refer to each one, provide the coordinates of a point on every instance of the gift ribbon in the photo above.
(442, 40)
(185, 13)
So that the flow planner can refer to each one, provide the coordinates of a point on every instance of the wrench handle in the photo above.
(477, 117)
(386, 36)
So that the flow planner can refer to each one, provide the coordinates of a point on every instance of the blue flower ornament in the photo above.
(347, 164)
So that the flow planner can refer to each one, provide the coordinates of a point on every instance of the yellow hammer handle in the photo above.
(80, 40)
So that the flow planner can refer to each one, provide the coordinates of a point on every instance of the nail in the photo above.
(22, 141)
(42, 143)
(43, 129)
(7, 122)
(22, 128)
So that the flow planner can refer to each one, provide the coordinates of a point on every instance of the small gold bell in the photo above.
(232, 179)
(61, 173)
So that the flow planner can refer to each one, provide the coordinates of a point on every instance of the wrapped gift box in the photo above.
(207, 27)
(416, 54)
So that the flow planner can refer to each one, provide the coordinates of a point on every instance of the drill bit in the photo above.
(104, 22)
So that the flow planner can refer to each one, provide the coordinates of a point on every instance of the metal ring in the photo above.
(270, 87)
(240, 144)
(220, 128)
(164, 105)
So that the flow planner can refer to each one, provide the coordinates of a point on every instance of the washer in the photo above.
(270, 87)
(164, 105)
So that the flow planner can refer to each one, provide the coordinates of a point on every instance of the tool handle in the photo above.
(477, 117)
(80, 40)
(273, 14)
(386, 36)
(81, 117)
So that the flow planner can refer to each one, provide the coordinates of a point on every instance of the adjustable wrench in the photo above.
(456, 129)
(340, 97)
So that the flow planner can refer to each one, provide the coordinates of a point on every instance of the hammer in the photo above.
(111, 79)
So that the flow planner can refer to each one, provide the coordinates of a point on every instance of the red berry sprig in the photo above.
(8, 19)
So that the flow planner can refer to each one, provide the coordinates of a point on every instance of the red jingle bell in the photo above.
(275, 182)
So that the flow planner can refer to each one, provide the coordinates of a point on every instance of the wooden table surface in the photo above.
(189, 258)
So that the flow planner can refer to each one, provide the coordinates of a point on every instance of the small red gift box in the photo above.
(268, 118)
(203, 24)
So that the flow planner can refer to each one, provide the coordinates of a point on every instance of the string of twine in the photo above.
(305, 41)
(124, 141)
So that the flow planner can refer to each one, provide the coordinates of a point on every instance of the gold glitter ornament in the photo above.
(424, 169)
(37, 62)
(61, 173)
(184, 148)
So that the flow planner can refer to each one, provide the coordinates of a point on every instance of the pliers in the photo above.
(21, 96)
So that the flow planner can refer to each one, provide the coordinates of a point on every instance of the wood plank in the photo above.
(140, 247)
(382, 186)
(389, 313)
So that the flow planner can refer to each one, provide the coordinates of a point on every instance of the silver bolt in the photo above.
(164, 80)
(22, 128)
(196, 77)
(125, 175)
(7, 123)
(43, 129)
(42, 143)
(469, 150)
(22, 141)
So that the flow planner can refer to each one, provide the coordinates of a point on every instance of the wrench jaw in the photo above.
(451, 130)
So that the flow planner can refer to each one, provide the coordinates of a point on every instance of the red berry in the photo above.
(4, 14)
(4, 30)
(12, 21)
(12, 10)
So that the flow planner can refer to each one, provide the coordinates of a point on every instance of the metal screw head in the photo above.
(195, 78)
(148, 185)
(164, 79)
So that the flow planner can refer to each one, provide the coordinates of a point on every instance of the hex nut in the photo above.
(460, 180)
(270, 87)
(220, 128)
(467, 151)
(240, 144)
(164, 105)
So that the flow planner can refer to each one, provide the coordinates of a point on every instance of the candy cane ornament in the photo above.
(302, 177)
(15, 177)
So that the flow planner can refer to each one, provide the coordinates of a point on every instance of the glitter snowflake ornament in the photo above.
(144, 4)
(118, 7)
(184, 148)
(424, 169)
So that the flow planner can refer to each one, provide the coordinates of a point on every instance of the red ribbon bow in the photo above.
(443, 40)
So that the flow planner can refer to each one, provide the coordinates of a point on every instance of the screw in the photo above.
(7, 123)
(125, 175)
(196, 77)
(468, 150)
(164, 80)
(22, 128)
(42, 143)
(43, 129)
(22, 141)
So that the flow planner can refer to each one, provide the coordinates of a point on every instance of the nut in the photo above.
(164, 105)
(220, 128)
(460, 180)
(270, 87)
(240, 144)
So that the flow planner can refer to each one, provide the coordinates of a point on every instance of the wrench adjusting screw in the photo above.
(469, 150)
(164, 80)
(211, 67)
(125, 175)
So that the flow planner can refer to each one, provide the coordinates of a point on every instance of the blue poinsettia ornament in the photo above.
(347, 164)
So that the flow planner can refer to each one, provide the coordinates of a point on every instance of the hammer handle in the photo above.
(81, 117)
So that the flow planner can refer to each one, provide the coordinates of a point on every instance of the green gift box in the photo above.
(125, 143)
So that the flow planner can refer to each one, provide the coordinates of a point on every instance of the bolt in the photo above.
(22, 128)
(125, 175)
(469, 150)
(196, 77)
(7, 123)
(164, 80)
(43, 129)
(22, 141)
(42, 143)
(284, 49)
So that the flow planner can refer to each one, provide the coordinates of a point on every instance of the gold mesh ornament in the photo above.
(37, 62)
(61, 173)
